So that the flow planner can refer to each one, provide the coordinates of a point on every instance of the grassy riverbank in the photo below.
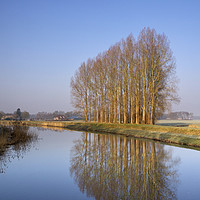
(184, 135)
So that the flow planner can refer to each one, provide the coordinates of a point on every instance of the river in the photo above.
(65, 164)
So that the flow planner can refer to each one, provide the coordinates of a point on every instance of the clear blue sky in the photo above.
(42, 43)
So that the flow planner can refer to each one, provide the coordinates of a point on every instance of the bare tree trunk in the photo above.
(137, 109)
(90, 106)
(109, 118)
(148, 110)
(86, 107)
(153, 109)
(144, 106)
(101, 113)
(125, 97)
(112, 108)
(131, 99)
(131, 109)
(97, 110)
(137, 114)
(125, 109)
(105, 104)
(120, 110)
(115, 107)
(120, 101)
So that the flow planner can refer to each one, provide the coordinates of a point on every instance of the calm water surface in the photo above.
(65, 164)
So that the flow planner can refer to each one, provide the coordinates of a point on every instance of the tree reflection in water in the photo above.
(17, 140)
(116, 167)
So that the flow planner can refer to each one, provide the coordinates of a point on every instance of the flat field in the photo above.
(179, 123)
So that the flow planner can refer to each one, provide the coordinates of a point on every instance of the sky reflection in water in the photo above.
(73, 165)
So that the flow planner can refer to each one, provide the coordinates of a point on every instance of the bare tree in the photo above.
(133, 82)
(79, 89)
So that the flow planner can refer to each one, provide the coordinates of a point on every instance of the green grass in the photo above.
(144, 131)
(157, 128)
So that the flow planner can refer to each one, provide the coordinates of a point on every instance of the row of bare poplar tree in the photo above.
(132, 82)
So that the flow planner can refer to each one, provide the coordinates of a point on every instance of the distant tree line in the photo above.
(132, 82)
(178, 116)
(50, 116)
(17, 115)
